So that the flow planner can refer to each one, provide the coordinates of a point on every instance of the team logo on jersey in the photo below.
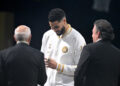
(65, 49)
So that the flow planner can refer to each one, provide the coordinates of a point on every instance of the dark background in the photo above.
(34, 13)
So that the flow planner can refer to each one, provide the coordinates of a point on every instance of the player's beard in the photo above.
(61, 32)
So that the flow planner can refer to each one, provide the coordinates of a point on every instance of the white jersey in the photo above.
(66, 51)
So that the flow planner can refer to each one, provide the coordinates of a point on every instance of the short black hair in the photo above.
(56, 14)
(105, 28)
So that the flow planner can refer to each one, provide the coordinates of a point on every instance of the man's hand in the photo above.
(50, 63)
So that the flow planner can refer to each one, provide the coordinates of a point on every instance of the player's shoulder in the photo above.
(76, 33)
(49, 32)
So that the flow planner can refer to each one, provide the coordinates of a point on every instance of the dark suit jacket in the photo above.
(99, 65)
(22, 65)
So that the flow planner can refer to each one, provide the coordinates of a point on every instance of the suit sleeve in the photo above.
(80, 72)
(42, 72)
(79, 43)
(119, 81)
(119, 78)
(1, 71)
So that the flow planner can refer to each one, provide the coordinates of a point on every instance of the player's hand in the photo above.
(50, 63)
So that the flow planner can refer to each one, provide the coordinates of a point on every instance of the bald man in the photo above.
(22, 65)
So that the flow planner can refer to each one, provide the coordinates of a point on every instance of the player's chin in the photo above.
(58, 33)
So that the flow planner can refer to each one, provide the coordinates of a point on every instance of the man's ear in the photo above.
(14, 38)
(64, 19)
(49, 22)
(29, 38)
(98, 34)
